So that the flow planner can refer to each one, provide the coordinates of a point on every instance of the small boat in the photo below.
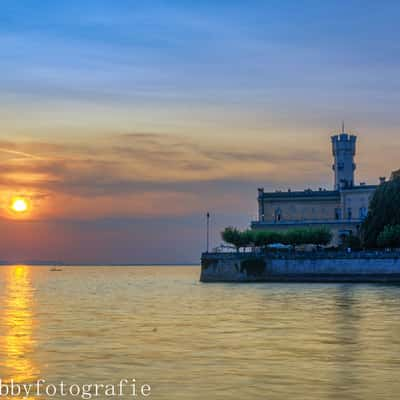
(55, 269)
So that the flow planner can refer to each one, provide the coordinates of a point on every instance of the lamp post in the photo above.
(208, 231)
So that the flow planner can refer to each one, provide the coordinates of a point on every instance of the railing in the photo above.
(308, 222)
(365, 254)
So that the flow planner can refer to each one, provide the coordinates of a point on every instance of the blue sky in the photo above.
(227, 51)
(116, 105)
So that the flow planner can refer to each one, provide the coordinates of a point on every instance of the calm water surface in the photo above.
(199, 341)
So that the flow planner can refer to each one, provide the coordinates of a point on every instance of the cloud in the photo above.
(143, 173)
(142, 158)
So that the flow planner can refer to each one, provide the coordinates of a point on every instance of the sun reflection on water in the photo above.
(18, 323)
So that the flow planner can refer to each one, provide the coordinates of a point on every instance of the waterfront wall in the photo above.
(249, 267)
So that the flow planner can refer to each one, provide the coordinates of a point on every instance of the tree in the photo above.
(383, 210)
(237, 238)
(320, 236)
(247, 238)
(293, 237)
(232, 236)
(265, 238)
(317, 236)
(351, 241)
(389, 237)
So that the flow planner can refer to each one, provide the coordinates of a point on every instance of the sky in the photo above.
(124, 122)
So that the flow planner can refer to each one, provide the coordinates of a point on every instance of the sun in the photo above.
(19, 205)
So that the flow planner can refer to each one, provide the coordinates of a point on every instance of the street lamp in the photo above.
(208, 231)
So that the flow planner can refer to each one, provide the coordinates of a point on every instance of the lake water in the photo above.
(189, 340)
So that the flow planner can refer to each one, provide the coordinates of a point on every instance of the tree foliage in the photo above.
(237, 238)
(389, 237)
(351, 241)
(297, 237)
(384, 210)
(232, 236)
(264, 238)
(293, 237)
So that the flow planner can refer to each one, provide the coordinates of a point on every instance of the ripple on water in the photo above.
(196, 341)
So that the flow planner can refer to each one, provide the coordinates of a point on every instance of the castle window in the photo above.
(338, 213)
(363, 212)
(278, 215)
(349, 213)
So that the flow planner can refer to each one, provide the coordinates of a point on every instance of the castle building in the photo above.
(342, 209)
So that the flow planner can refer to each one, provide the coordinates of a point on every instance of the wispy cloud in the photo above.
(142, 164)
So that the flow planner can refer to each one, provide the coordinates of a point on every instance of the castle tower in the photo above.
(344, 150)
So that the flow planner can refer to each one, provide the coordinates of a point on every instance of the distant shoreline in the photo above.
(2, 264)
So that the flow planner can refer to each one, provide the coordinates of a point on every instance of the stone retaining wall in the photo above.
(251, 267)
